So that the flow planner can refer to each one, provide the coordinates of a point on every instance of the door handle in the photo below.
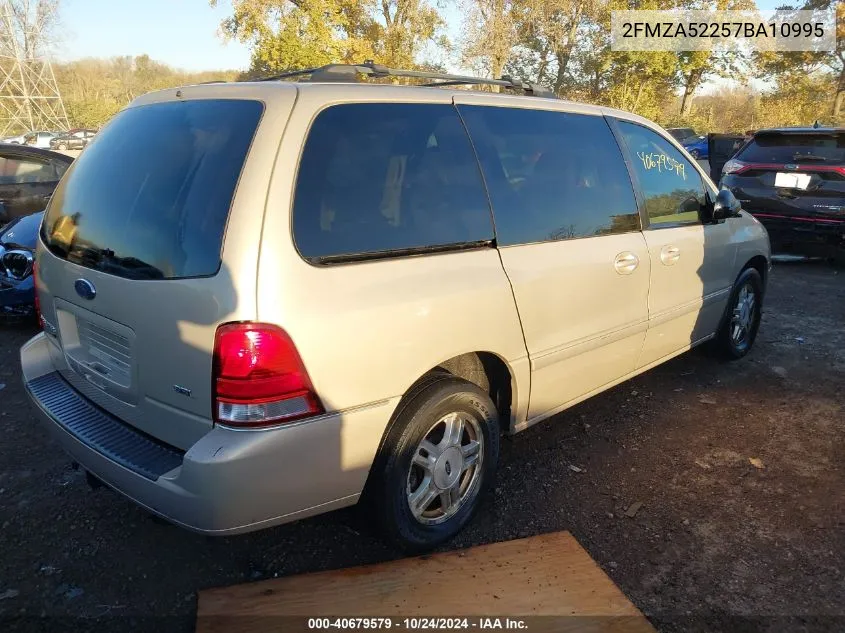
(626, 263)
(669, 255)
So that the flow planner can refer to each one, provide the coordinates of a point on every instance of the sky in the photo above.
(180, 33)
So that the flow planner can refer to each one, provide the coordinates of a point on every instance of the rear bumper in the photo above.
(17, 298)
(806, 233)
(230, 481)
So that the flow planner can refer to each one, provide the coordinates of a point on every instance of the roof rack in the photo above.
(351, 73)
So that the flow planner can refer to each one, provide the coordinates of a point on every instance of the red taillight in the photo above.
(737, 168)
(259, 378)
(35, 289)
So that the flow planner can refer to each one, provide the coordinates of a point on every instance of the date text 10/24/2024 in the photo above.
(418, 623)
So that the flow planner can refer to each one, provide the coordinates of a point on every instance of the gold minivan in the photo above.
(264, 301)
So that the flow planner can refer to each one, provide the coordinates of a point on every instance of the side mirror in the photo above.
(726, 205)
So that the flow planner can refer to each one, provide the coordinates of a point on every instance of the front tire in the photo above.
(741, 320)
(62, 146)
(436, 464)
(695, 154)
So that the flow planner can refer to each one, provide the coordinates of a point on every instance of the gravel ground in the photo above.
(719, 542)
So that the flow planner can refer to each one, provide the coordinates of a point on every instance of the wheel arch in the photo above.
(486, 369)
(761, 265)
(492, 374)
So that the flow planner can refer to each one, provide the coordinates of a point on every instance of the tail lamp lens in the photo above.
(259, 377)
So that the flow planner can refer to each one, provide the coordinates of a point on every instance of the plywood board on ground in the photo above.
(548, 579)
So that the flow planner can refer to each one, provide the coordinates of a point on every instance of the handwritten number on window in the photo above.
(662, 162)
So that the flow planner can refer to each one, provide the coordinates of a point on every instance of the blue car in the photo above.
(697, 147)
(17, 246)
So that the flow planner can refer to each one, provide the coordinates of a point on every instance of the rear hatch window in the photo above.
(816, 148)
(149, 199)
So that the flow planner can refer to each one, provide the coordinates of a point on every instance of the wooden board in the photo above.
(546, 575)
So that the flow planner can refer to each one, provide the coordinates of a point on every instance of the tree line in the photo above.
(94, 90)
(563, 44)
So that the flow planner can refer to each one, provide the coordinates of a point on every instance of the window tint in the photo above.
(379, 177)
(551, 175)
(14, 170)
(150, 199)
(673, 190)
(817, 148)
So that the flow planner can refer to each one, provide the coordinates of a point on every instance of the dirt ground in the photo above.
(719, 543)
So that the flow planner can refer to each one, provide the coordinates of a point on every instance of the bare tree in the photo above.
(33, 25)
(29, 95)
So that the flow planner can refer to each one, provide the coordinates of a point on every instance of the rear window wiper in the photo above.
(808, 157)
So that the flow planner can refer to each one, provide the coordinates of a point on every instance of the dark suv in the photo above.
(793, 180)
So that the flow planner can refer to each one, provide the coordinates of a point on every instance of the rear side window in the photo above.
(551, 175)
(380, 178)
(22, 171)
(673, 191)
(150, 199)
(821, 148)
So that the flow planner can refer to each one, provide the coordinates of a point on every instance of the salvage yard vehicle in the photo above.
(72, 139)
(28, 177)
(39, 139)
(681, 134)
(793, 180)
(17, 246)
(264, 301)
(697, 147)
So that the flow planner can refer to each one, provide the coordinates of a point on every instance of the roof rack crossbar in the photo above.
(351, 72)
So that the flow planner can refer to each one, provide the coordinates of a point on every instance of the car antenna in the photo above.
(816, 125)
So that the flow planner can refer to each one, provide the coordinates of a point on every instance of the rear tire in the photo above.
(694, 153)
(436, 464)
(741, 321)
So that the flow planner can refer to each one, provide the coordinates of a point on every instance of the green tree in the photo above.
(638, 81)
(491, 30)
(695, 68)
(793, 72)
(548, 31)
(296, 34)
(94, 90)
(408, 25)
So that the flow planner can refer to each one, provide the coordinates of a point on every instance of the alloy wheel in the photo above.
(446, 468)
(743, 316)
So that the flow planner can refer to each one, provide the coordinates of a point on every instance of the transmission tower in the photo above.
(29, 95)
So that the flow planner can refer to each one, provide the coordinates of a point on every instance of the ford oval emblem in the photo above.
(790, 166)
(85, 289)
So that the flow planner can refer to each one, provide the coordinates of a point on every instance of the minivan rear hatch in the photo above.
(131, 278)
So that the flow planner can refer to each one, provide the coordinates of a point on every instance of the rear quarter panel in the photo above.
(368, 331)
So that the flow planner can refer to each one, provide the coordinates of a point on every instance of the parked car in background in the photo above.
(264, 301)
(72, 139)
(793, 180)
(17, 252)
(721, 148)
(39, 139)
(680, 134)
(15, 140)
(28, 177)
(697, 147)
